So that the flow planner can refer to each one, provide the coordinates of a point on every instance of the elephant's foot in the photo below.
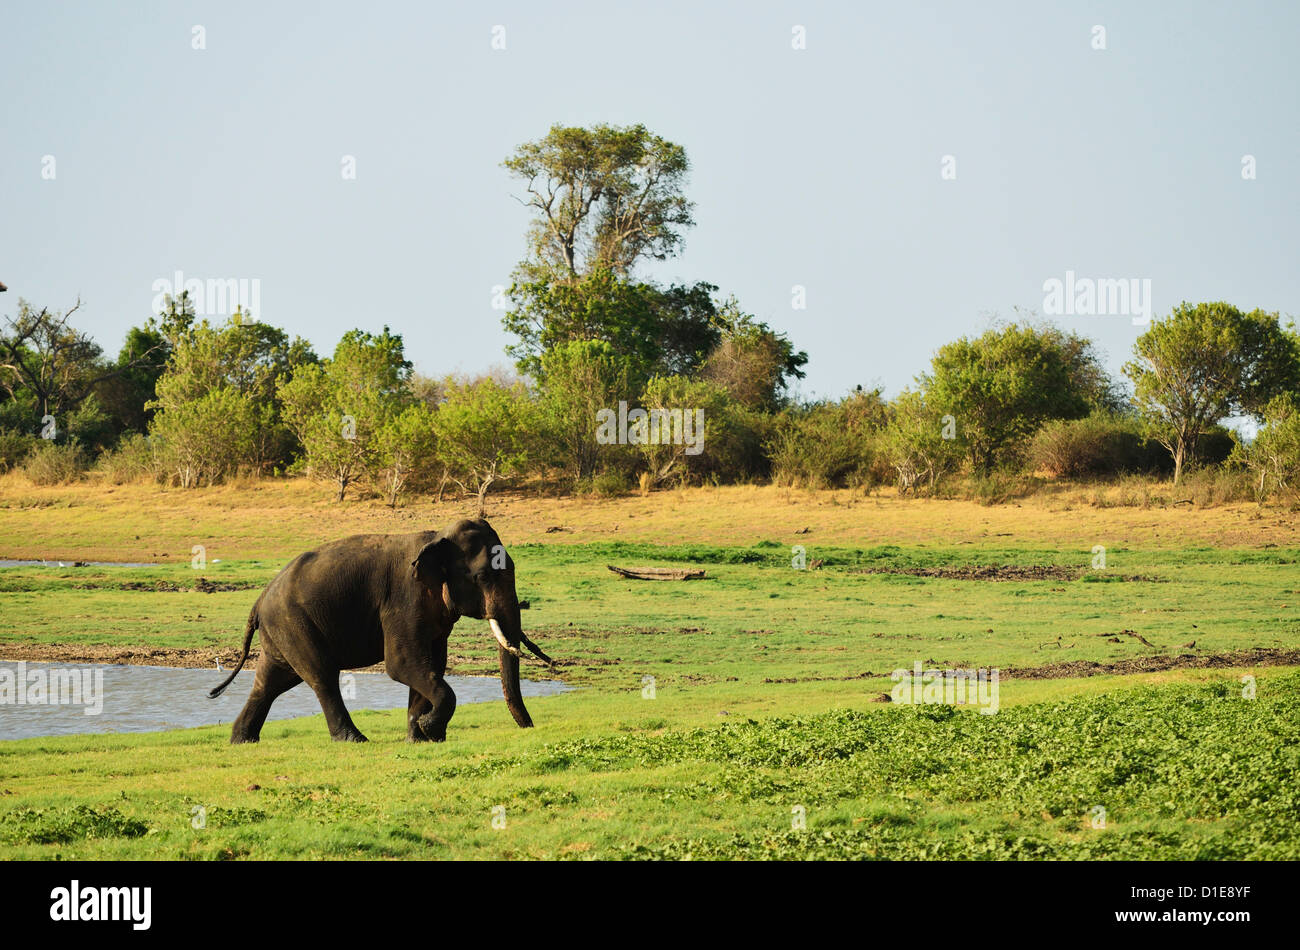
(414, 733)
(237, 739)
(434, 730)
(349, 735)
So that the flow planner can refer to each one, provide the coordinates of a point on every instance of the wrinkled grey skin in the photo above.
(391, 598)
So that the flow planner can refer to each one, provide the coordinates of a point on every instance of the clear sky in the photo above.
(818, 167)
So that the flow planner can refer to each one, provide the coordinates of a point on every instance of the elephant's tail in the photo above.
(248, 642)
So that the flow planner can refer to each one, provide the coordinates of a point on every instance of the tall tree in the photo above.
(57, 364)
(602, 196)
(661, 331)
(1206, 362)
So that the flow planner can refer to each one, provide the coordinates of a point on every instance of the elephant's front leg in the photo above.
(434, 722)
(416, 708)
(432, 702)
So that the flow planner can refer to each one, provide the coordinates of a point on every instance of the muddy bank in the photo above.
(1000, 572)
(205, 658)
(1255, 656)
(187, 659)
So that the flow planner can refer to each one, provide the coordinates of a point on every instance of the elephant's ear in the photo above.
(434, 561)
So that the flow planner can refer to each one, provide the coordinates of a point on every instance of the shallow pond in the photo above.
(56, 699)
(9, 562)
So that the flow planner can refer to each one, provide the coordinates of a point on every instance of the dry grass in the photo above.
(92, 520)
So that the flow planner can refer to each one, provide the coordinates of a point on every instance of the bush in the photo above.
(831, 445)
(726, 437)
(1207, 487)
(610, 484)
(14, 446)
(1273, 458)
(52, 463)
(132, 460)
(1000, 486)
(1099, 445)
(915, 445)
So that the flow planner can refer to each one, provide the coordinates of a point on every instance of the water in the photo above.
(153, 698)
(9, 562)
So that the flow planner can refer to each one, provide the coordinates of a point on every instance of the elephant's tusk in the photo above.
(501, 639)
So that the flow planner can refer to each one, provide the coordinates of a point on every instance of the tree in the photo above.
(204, 438)
(580, 378)
(751, 361)
(691, 427)
(661, 331)
(338, 407)
(829, 444)
(1275, 452)
(1206, 362)
(249, 359)
(914, 442)
(57, 365)
(141, 363)
(1001, 386)
(604, 196)
(406, 449)
(483, 430)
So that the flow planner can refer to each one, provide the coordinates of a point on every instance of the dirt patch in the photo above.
(1256, 656)
(984, 572)
(190, 659)
(201, 586)
(1000, 572)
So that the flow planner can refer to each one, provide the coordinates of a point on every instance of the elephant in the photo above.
(394, 598)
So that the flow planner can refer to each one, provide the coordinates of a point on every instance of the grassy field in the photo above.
(768, 682)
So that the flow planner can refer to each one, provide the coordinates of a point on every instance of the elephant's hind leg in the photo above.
(342, 728)
(273, 679)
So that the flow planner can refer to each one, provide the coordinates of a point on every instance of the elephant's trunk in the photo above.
(510, 687)
(509, 656)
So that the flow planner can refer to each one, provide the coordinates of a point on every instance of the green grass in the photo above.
(754, 618)
(764, 685)
(1183, 770)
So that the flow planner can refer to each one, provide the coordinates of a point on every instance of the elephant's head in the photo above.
(476, 579)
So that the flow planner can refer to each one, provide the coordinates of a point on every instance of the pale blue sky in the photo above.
(818, 167)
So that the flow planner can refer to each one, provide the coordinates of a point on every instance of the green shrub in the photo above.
(1273, 458)
(921, 444)
(1099, 445)
(53, 463)
(610, 484)
(14, 446)
(831, 445)
(132, 460)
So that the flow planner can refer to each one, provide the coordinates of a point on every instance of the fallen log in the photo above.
(659, 573)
